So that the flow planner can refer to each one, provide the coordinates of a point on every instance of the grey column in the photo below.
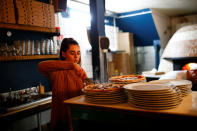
(97, 10)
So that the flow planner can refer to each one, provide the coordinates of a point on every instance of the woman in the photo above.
(67, 80)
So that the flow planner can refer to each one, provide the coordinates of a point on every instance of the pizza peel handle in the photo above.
(104, 45)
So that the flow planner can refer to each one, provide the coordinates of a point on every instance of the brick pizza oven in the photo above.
(182, 47)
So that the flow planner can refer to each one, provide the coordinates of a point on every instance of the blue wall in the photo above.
(109, 21)
(142, 26)
(20, 75)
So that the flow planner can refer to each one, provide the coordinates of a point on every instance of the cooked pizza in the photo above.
(128, 79)
(104, 87)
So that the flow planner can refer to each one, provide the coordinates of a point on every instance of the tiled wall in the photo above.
(145, 58)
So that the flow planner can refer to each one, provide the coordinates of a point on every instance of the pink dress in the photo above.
(65, 84)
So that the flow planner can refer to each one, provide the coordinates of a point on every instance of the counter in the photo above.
(13, 116)
(185, 113)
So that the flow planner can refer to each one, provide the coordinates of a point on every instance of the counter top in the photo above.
(27, 110)
(188, 107)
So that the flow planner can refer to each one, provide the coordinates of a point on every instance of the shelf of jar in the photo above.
(28, 28)
(34, 57)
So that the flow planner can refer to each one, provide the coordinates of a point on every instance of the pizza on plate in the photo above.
(104, 87)
(128, 79)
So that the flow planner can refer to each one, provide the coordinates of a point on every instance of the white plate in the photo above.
(181, 82)
(147, 87)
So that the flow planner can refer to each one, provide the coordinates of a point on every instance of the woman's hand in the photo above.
(88, 82)
(79, 71)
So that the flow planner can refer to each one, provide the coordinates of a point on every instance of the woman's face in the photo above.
(72, 54)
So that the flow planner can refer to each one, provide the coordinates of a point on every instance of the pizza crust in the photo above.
(128, 79)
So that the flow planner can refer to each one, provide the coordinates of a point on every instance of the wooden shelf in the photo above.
(12, 58)
(28, 28)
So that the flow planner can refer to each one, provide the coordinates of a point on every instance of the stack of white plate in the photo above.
(153, 96)
(184, 85)
(106, 97)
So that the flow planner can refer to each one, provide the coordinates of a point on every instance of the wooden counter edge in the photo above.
(13, 115)
(170, 112)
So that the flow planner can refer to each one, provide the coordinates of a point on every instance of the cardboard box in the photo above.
(7, 10)
(126, 43)
(119, 65)
(35, 13)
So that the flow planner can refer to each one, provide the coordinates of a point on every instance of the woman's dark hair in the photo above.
(66, 42)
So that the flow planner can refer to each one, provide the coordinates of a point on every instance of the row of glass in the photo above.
(14, 98)
(30, 47)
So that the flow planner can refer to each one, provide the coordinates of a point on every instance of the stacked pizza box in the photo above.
(22, 8)
(52, 16)
(44, 14)
(37, 13)
(7, 14)
(48, 15)
(31, 12)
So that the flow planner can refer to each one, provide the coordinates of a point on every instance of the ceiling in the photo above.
(168, 7)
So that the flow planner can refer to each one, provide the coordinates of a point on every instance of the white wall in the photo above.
(112, 33)
(162, 23)
(76, 26)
